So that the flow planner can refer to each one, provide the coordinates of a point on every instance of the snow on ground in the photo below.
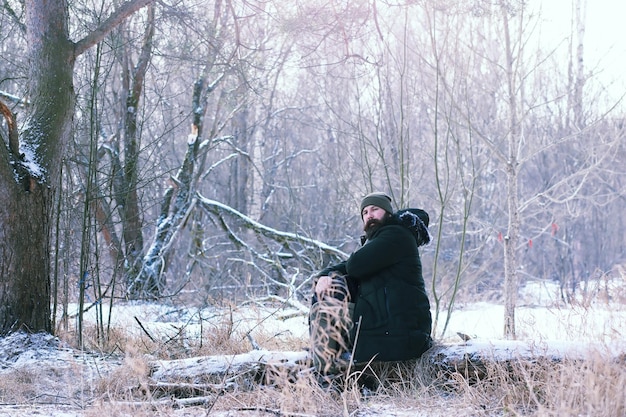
(542, 317)
(167, 321)
(544, 325)
(486, 321)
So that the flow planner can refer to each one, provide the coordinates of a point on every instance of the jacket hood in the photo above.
(416, 220)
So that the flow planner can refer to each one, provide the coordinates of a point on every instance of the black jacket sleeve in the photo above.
(339, 268)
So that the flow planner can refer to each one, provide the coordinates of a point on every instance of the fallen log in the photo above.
(225, 370)
(470, 360)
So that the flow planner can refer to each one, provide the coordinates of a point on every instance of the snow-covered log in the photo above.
(471, 359)
(223, 372)
(475, 357)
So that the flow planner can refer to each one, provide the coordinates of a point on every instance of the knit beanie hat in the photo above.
(377, 199)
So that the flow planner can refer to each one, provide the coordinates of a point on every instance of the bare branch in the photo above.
(108, 25)
(6, 6)
(14, 99)
(217, 207)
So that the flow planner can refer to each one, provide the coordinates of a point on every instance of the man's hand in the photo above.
(323, 285)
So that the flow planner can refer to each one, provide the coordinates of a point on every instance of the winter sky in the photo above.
(605, 32)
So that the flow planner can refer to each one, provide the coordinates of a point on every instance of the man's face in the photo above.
(373, 217)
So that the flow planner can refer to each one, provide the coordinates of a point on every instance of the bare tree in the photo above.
(30, 168)
(297, 110)
(124, 166)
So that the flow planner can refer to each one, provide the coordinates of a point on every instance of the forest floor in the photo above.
(46, 375)
(42, 375)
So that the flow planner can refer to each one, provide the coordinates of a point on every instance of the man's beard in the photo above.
(372, 226)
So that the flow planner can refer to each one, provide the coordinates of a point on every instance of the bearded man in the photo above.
(381, 309)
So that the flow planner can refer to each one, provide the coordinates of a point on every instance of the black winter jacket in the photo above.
(392, 319)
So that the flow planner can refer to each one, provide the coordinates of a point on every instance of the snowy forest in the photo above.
(219, 150)
(211, 153)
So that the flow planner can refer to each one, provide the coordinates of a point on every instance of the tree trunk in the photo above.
(579, 67)
(28, 183)
(128, 197)
(31, 166)
(512, 166)
(176, 206)
(24, 254)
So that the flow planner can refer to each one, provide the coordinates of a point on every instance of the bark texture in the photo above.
(26, 178)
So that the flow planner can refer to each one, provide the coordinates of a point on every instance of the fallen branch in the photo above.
(170, 402)
(144, 329)
(188, 389)
(274, 411)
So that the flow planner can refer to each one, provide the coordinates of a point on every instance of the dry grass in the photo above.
(595, 386)
(18, 386)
